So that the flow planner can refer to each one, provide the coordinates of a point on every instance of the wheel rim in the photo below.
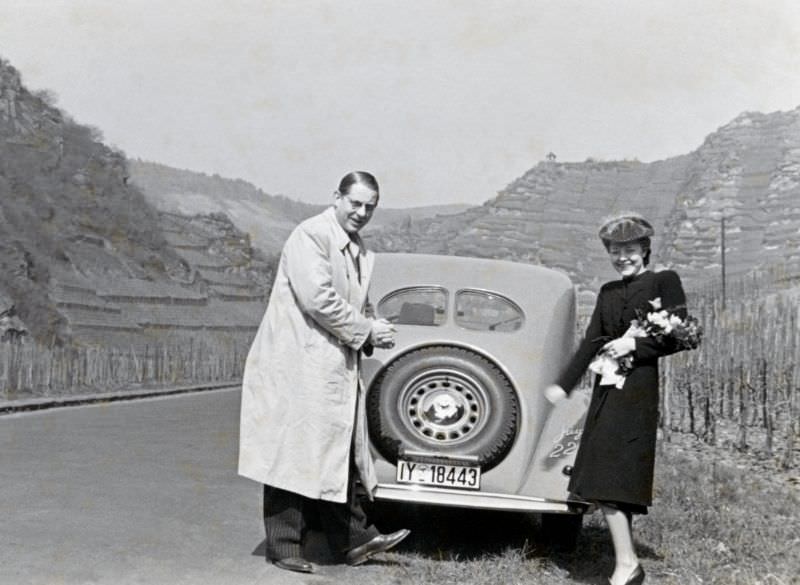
(444, 406)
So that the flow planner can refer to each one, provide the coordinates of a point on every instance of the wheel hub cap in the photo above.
(444, 406)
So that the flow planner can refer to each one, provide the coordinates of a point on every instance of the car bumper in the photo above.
(464, 499)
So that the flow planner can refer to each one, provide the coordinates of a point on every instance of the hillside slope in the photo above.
(268, 219)
(748, 172)
(72, 226)
(60, 187)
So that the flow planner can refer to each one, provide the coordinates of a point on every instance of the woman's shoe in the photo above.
(635, 578)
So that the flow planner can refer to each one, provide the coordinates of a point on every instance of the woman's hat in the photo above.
(625, 228)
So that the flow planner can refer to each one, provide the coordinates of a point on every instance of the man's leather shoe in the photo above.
(379, 544)
(294, 564)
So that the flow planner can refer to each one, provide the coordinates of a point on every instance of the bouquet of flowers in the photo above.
(661, 325)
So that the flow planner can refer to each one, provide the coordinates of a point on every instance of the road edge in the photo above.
(46, 403)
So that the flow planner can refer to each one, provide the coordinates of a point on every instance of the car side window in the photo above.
(418, 305)
(487, 311)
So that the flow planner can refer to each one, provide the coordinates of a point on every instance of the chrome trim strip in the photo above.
(472, 499)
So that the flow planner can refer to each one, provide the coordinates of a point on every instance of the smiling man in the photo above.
(303, 430)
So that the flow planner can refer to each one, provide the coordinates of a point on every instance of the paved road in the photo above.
(143, 492)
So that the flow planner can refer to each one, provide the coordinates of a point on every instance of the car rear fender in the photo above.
(548, 474)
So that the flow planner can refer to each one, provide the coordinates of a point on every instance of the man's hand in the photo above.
(382, 334)
(554, 393)
(620, 346)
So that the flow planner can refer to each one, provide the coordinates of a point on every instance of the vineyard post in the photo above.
(69, 368)
(792, 427)
(30, 382)
(765, 406)
(12, 371)
(49, 372)
(722, 246)
(156, 362)
(166, 364)
(731, 387)
(2, 370)
(193, 363)
(145, 362)
(711, 418)
(689, 385)
(158, 365)
(85, 377)
(134, 363)
(742, 440)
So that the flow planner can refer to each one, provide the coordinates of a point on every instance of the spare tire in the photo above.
(443, 400)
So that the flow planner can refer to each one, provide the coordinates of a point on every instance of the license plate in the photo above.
(438, 474)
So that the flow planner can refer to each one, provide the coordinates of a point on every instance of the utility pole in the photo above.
(723, 261)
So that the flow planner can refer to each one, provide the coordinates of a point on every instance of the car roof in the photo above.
(513, 279)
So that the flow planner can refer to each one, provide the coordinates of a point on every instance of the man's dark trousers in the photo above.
(287, 516)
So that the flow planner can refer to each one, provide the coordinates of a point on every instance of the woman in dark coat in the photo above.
(614, 464)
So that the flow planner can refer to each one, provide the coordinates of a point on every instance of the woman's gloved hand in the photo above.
(555, 393)
(621, 346)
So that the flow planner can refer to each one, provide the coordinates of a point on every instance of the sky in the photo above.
(445, 101)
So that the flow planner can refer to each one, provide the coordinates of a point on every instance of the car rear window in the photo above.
(419, 305)
(487, 311)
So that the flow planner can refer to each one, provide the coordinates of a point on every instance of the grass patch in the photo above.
(719, 522)
(712, 523)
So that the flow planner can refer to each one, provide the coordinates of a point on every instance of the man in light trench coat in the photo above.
(303, 422)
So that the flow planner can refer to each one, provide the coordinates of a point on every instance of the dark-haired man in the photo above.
(303, 425)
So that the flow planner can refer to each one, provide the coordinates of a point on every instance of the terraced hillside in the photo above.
(85, 258)
(747, 172)
(221, 298)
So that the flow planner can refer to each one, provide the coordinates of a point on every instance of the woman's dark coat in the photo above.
(617, 451)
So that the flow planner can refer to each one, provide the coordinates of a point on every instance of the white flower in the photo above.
(655, 303)
(607, 367)
(659, 318)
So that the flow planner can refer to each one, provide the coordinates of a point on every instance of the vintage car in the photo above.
(456, 409)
